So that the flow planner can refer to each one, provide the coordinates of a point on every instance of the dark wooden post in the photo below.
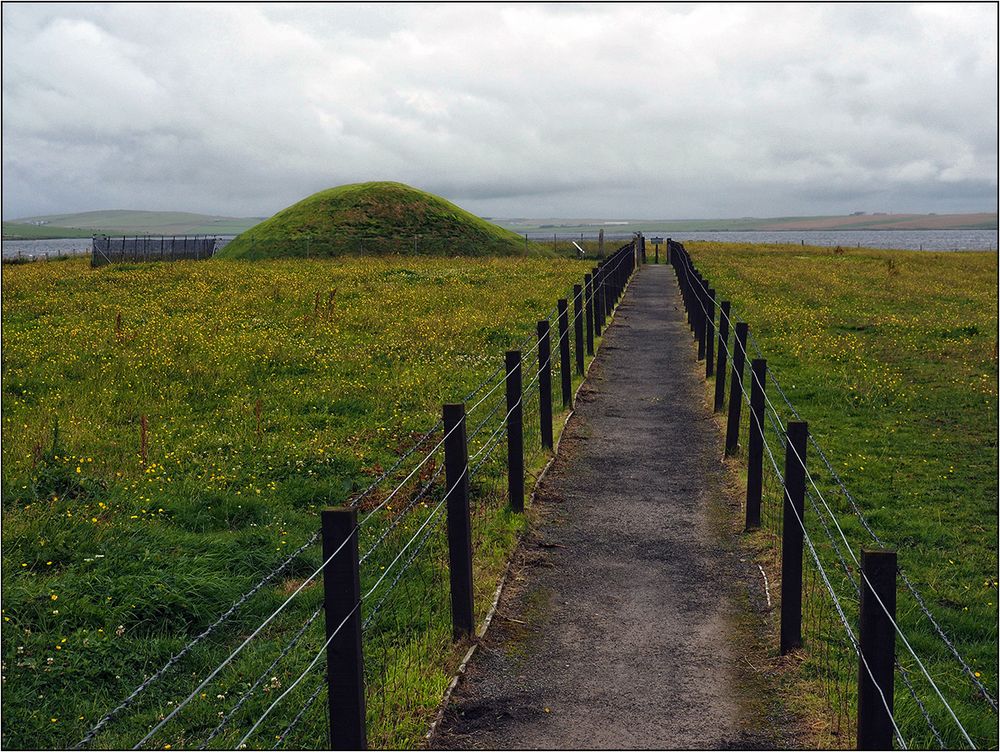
(515, 432)
(588, 286)
(598, 301)
(686, 266)
(877, 647)
(701, 326)
(456, 459)
(345, 672)
(755, 443)
(736, 389)
(720, 366)
(578, 326)
(565, 362)
(793, 521)
(545, 383)
(608, 283)
(710, 334)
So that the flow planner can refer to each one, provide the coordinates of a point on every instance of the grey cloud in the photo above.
(718, 110)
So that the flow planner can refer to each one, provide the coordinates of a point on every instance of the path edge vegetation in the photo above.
(804, 696)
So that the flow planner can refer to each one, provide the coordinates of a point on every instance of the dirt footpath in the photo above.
(622, 626)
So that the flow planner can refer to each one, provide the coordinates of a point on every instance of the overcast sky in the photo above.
(614, 111)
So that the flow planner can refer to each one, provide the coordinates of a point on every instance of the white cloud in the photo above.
(625, 110)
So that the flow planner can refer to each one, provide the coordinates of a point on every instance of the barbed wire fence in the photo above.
(401, 612)
(834, 579)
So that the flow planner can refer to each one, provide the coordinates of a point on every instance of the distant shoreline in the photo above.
(860, 222)
(58, 227)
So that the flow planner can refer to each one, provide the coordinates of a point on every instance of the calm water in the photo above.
(38, 248)
(917, 240)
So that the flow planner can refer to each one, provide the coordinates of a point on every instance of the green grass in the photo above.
(374, 219)
(892, 359)
(112, 564)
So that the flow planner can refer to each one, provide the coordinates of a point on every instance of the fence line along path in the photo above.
(617, 633)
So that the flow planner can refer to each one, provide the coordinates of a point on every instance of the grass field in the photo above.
(892, 359)
(268, 391)
(17, 231)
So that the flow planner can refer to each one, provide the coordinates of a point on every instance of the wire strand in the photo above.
(836, 523)
(356, 606)
(260, 679)
(298, 718)
(111, 715)
(243, 644)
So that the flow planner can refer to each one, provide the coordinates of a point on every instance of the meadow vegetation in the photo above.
(891, 356)
(171, 432)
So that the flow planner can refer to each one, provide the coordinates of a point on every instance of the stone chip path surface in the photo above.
(616, 627)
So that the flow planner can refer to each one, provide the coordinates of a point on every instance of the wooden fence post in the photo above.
(598, 298)
(736, 389)
(701, 327)
(515, 432)
(710, 334)
(545, 384)
(578, 326)
(565, 367)
(608, 284)
(793, 522)
(456, 459)
(755, 443)
(720, 365)
(345, 672)
(588, 286)
(877, 649)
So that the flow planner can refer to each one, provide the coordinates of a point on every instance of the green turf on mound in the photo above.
(374, 218)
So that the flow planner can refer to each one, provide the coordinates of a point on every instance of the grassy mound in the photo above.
(374, 218)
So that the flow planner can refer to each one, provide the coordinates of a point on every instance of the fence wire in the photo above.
(407, 634)
(405, 610)
(830, 661)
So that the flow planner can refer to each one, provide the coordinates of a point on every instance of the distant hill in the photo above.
(375, 218)
(983, 221)
(124, 222)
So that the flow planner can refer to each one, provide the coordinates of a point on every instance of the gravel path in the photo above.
(617, 628)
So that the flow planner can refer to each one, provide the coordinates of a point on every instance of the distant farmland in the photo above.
(124, 222)
(982, 221)
(887, 222)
